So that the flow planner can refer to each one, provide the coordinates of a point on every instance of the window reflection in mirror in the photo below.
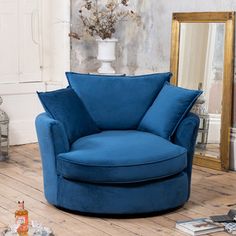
(201, 63)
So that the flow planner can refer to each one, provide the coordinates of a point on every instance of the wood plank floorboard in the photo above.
(213, 192)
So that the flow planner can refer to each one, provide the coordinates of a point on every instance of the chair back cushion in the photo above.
(65, 106)
(168, 110)
(117, 102)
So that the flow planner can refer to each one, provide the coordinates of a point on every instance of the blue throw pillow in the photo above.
(168, 109)
(117, 102)
(65, 106)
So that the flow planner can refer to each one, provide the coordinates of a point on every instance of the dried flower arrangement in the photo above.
(100, 18)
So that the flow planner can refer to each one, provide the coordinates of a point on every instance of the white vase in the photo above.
(106, 54)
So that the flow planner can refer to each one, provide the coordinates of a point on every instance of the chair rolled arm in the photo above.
(186, 135)
(51, 133)
(52, 141)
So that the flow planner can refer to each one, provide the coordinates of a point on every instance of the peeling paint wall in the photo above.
(143, 49)
(138, 50)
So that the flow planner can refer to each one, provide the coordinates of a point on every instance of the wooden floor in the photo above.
(213, 192)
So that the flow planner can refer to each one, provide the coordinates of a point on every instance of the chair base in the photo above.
(123, 199)
(121, 216)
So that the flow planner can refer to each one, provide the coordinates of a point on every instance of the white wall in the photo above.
(232, 162)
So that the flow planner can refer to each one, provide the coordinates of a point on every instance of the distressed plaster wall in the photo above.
(143, 49)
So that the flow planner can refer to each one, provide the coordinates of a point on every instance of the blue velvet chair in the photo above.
(121, 166)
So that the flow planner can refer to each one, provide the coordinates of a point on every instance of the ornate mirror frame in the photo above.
(228, 18)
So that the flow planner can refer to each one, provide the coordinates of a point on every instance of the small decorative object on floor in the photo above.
(35, 229)
(21, 217)
(230, 217)
(4, 134)
(230, 228)
(199, 226)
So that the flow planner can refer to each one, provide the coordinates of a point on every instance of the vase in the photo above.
(106, 55)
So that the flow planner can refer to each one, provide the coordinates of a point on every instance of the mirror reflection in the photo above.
(201, 64)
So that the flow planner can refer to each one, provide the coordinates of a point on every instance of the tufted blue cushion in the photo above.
(65, 106)
(168, 109)
(117, 102)
(121, 157)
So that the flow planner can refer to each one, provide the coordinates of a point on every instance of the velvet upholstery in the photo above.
(127, 198)
(117, 102)
(188, 139)
(168, 109)
(121, 157)
(53, 140)
(119, 171)
(65, 106)
(144, 197)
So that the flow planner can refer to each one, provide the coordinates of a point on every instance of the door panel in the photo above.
(9, 43)
(29, 37)
(20, 41)
(20, 61)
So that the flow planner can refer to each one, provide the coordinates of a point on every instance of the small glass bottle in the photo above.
(21, 216)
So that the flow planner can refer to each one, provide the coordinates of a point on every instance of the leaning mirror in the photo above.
(202, 56)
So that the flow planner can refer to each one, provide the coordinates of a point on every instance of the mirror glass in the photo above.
(201, 65)
(202, 57)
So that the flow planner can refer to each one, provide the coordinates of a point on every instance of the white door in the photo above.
(30, 59)
(20, 65)
(9, 65)
(20, 41)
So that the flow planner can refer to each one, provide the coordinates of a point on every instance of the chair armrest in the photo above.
(52, 141)
(186, 135)
(51, 135)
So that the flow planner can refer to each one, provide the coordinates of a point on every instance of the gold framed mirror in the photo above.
(202, 57)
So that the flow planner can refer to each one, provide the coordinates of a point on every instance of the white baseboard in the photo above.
(22, 132)
(214, 128)
(232, 162)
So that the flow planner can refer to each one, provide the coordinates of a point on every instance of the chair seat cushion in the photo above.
(121, 157)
